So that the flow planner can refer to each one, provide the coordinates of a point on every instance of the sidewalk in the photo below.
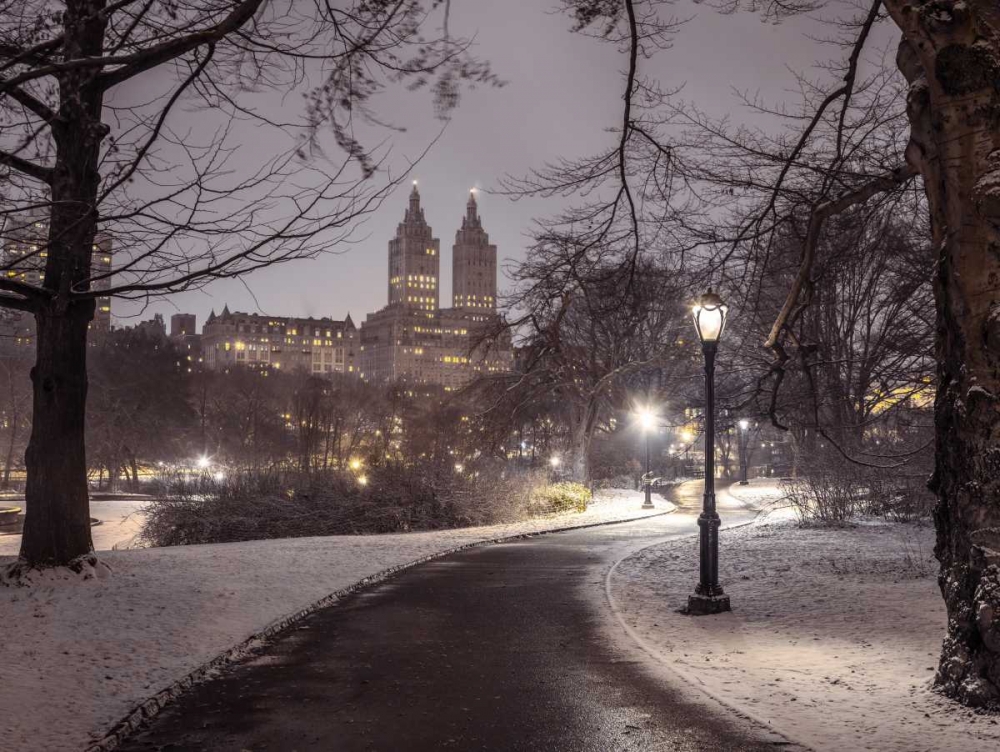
(78, 656)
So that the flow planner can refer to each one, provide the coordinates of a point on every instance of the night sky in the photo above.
(563, 91)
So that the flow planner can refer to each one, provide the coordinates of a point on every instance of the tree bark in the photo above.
(15, 417)
(951, 56)
(57, 516)
(57, 519)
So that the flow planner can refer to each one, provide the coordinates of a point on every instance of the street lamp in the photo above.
(744, 444)
(709, 315)
(554, 462)
(647, 420)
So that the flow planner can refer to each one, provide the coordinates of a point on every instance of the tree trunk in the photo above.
(581, 432)
(135, 472)
(951, 56)
(57, 515)
(12, 439)
(57, 519)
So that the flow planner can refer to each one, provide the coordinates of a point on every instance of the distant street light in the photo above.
(710, 322)
(647, 419)
(555, 461)
(743, 439)
(204, 462)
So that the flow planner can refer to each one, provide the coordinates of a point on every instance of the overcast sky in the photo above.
(563, 92)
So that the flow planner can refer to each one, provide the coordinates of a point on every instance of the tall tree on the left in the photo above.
(99, 134)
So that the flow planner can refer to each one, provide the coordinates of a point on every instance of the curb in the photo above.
(148, 709)
(767, 731)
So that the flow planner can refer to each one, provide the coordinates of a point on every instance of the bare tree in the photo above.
(595, 337)
(139, 406)
(94, 136)
(930, 119)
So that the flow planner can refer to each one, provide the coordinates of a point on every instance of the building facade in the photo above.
(413, 339)
(473, 265)
(24, 256)
(319, 347)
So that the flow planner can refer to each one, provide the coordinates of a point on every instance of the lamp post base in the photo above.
(648, 502)
(744, 483)
(703, 605)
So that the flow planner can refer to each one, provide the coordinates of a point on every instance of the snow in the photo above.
(121, 520)
(833, 640)
(79, 652)
(758, 493)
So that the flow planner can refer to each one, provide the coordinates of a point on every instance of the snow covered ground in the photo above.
(76, 656)
(833, 638)
(759, 493)
(121, 520)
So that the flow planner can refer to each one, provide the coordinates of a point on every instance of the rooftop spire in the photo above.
(414, 213)
(471, 218)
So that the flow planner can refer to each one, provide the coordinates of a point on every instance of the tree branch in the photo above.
(817, 218)
(38, 172)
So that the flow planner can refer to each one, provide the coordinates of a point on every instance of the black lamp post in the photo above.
(744, 439)
(708, 598)
(647, 419)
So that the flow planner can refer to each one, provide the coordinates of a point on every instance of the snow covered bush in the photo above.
(385, 499)
(562, 497)
(833, 490)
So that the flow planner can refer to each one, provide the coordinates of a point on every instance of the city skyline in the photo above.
(560, 108)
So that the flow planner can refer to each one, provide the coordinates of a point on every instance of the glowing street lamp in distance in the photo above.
(555, 461)
(355, 464)
(204, 462)
(744, 424)
(647, 418)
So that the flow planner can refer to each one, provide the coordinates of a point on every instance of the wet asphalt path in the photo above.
(506, 647)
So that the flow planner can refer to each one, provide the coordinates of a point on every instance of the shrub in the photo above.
(562, 497)
(834, 490)
(395, 498)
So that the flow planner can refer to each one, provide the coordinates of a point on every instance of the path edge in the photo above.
(144, 712)
(789, 742)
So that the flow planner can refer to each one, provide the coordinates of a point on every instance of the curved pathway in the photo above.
(507, 647)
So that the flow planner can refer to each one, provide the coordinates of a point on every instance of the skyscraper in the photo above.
(414, 260)
(474, 263)
(25, 249)
(412, 338)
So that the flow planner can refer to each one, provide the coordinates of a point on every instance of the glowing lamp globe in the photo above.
(709, 315)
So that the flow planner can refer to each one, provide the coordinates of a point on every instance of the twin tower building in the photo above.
(413, 338)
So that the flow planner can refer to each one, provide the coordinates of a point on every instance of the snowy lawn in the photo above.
(77, 656)
(121, 520)
(759, 492)
(833, 639)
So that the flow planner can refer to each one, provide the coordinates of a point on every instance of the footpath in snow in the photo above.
(77, 656)
(833, 639)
